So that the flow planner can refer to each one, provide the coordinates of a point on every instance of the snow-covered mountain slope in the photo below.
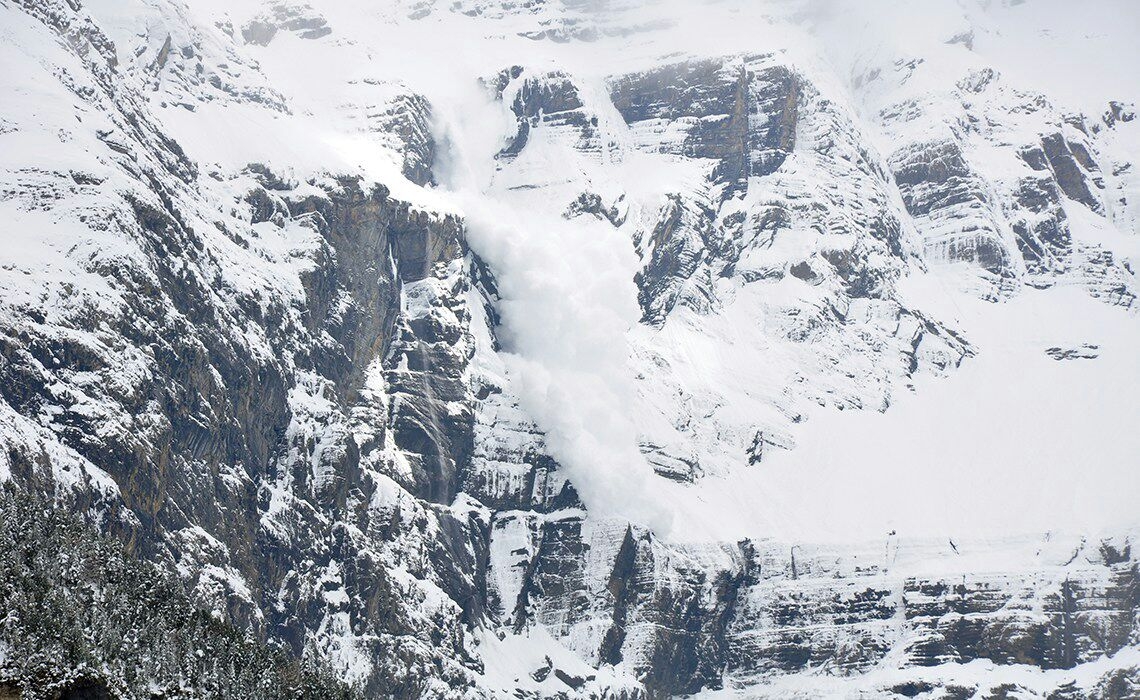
(590, 348)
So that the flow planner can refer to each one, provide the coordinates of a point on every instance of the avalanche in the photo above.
(578, 348)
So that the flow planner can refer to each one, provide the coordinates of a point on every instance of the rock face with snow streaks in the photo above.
(249, 330)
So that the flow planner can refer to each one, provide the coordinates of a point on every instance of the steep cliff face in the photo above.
(406, 374)
(241, 374)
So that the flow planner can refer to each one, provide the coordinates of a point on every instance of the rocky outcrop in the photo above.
(966, 209)
(300, 19)
(1070, 163)
(704, 104)
(945, 196)
(806, 608)
(687, 618)
(550, 100)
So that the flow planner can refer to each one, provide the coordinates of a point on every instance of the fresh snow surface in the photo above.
(1013, 442)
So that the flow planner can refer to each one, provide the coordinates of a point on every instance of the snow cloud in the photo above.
(567, 300)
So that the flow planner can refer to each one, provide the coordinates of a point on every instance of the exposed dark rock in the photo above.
(1085, 351)
(683, 239)
(298, 18)
(591, 203)
(551, 99)
(1118, 112)
(911, 689)
(1043, 236)
(802, 270)
(545, 95)
(936, 181)
(710, 96)
(1070, 175)
(775, 97)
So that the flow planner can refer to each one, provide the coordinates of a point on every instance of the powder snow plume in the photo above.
(567, 300)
